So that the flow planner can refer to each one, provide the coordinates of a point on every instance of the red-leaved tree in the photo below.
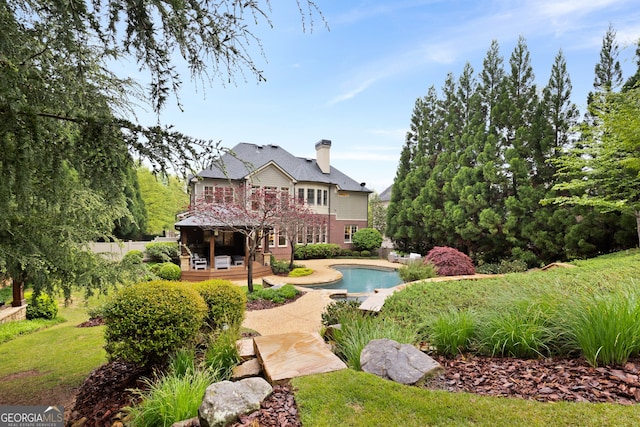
(253, 212)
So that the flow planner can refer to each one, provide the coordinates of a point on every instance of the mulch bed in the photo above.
(105, 391)
(263, 304)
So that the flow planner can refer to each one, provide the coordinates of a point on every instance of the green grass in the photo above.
(452, 332)
(38, 367)
(357, 330)
(11, 330)
(525, 315)
(171, 398)
(350, 398)
(604, 326)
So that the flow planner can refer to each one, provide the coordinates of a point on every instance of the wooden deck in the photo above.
(233, 273)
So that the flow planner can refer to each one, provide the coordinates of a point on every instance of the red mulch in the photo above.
(546, 380)
(104, 393)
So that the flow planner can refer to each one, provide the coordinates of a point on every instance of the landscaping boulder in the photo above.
(225, 401)
(402, 363)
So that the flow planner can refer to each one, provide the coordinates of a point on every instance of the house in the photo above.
(339, 200)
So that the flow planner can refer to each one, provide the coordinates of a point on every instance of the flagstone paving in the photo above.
(286, 356)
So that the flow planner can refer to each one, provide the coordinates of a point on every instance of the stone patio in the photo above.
(286, 356)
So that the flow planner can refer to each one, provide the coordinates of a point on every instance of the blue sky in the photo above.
(356, 83)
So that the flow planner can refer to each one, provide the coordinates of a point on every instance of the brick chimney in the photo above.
(323, 151)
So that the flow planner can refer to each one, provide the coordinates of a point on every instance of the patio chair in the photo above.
(222, 261)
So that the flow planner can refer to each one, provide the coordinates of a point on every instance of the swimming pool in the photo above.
(356, 279)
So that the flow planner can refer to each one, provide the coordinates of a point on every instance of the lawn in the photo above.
(45, 367)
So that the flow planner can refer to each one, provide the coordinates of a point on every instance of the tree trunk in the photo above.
(638, 226)
(293, 251)
(18, 293)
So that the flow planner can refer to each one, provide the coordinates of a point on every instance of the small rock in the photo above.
(225, 401)
(250, 368)
(402, 363)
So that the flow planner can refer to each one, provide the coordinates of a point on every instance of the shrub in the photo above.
(358, 329)
(226, 302)
(355, 254)
(452, 331)
(133, 257)
(365, 254)
(276, 295)
(300, 272)
(317, 251)
(163, 252)
(222, 354)
(148, 321)
(450, 261)
(280, 267)
(332, 312)
(417, 270)
(521, 330)
(346, 253)
(515, 266)
(171, 398)
(42, 306)
(366, 239)
(605, 327)
(169, 271)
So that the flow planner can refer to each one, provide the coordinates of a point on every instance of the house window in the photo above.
(272, 239)
(314, 196)
(224, 195)
(282, 238)
(300, 237)
(349, 231)
(208, 194)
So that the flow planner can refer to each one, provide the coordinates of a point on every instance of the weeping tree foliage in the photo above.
(66, 137)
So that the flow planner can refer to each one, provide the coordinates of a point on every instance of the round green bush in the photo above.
(147, 322)
(169, 271)
(334, 311)
(366, 239)
(133, 257)
(365, 254)
(226, 302)
(42, 307)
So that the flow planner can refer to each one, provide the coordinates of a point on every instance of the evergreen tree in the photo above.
(634, 81)
(608, 71)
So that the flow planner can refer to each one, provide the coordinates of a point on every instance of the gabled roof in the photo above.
(385, 196)
(299, 168)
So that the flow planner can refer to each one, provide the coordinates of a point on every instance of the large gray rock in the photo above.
(225, 401)
(402, 363)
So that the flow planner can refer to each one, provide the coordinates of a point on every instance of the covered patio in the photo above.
(216, 251)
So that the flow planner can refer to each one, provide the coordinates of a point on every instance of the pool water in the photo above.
(361, 279)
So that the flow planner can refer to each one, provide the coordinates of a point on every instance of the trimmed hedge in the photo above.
(147, 322)
(226, 302)
(317, 251)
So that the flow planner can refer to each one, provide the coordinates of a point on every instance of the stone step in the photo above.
(286, 356)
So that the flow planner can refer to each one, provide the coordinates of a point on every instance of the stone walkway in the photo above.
(304, 315)
(289, 345)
